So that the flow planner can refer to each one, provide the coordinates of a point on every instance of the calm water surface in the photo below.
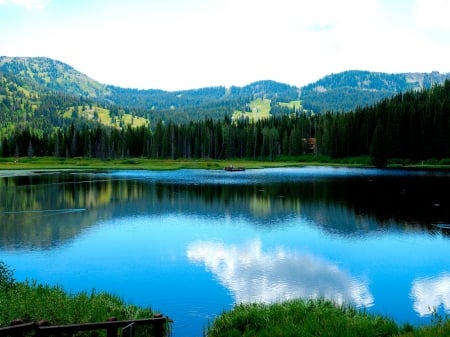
(192, 243)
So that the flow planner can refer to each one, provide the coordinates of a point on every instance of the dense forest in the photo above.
(411, 126)
(351, 89)
(47, 108)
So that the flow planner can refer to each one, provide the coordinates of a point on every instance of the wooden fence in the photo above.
(160, 327)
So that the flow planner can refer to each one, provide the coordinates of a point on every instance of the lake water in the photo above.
(192, 243)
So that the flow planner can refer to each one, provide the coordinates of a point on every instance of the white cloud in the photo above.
(253, 275)
(433, 14)
(29, 4)
(431, 293)
(181, 45)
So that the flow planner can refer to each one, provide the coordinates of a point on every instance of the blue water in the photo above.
(192, 243)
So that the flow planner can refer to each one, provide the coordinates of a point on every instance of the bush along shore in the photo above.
(31, 301)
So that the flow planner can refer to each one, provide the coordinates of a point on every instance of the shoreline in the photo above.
(11, 166)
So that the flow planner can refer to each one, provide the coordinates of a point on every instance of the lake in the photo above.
(192, 243)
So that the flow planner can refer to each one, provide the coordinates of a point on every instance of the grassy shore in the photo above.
(26, 163)
(315, 318)
(31, 301)
(41, 163)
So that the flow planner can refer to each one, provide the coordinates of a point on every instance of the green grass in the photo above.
(25, 163)
(104, 116)
(313, 318)
(45, 163)
(260, 109)
(292, 104)
(31, 301)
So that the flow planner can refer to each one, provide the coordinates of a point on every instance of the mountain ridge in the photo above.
(51, 74)
(411, 80)
(344, 91)
(358, 88)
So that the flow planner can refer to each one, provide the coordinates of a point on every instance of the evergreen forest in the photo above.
(409, 127)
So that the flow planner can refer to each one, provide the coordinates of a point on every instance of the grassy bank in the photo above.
(131, 163)
(36, 163)
(314, 318)
(26, 163)
(31, 301)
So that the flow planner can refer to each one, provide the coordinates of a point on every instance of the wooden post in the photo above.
(112, 331)
(39, 324)
(17, 328)
(159, 326)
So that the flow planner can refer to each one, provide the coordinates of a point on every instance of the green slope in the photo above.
(26, 105)
(343, 91)
(41, 73)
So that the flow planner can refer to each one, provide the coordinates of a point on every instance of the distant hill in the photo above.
(348, 90)
(40, 75)
(30, 78)
(27, 102)
(45, 74)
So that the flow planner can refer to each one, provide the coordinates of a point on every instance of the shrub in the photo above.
(6, 277)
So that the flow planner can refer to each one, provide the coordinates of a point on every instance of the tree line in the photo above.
(412, 126)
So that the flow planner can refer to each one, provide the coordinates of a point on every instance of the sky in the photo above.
(187, 44)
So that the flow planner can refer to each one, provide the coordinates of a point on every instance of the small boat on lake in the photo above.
(231, 168)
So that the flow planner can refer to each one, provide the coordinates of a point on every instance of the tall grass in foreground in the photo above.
(313, 318)
(31, 301)
(300, 318)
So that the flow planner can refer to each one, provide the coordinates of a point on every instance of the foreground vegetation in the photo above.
(314, 318)
(32, 301)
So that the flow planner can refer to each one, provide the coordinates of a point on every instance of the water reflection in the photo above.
(253, 275)
(430, 293)
(263, 235)
(362, 202)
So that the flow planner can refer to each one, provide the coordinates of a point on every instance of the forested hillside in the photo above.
(337, 92)
(22, 106)
(349, 90)
(44, 74)
(413, 126)
(49, 109)
(409, 127)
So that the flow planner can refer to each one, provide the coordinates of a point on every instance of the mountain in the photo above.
(42, 94)
(37, 76)
(42, 73)
(348, 90)
(47, 108)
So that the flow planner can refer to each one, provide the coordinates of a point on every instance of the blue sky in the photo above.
(183, 44)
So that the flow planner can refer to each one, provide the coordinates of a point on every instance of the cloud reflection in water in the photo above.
(253, 275)
(430, 293)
